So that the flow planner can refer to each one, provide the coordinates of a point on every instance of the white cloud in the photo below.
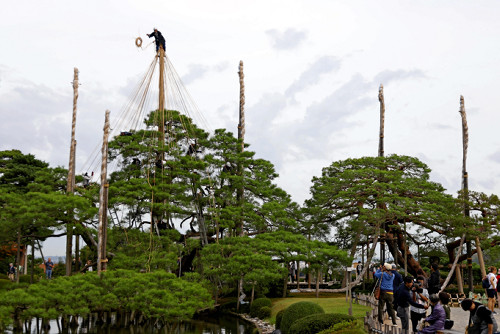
(287, 40)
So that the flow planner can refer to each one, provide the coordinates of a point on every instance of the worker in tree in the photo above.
(159, 39)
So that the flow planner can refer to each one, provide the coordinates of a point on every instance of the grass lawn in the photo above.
(331, 303)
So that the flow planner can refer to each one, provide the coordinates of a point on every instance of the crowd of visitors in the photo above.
(409, 299)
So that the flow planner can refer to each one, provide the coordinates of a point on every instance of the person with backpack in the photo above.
(481, 320)
(491, 290)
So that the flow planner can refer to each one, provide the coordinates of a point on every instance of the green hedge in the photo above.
(317, 322)
(298, 311)
(264, 312)
(257, 305)
(279, 316)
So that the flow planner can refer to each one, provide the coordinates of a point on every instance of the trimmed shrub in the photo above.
(346, 327)
(279, 316)
(257, 305)
(317, 322)
(298, 311)
(264, 312)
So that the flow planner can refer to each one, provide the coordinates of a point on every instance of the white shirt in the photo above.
(494, 285)
(419, 300)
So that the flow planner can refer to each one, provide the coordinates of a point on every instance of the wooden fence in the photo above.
(372, 325)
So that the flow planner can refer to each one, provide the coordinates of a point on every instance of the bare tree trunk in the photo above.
(317, 283)
(18, 255)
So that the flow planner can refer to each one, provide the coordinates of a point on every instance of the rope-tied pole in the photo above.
(382, 121)
(103, 201)
(465, 180)
(70, 186)
(381, 154)
(241, 125)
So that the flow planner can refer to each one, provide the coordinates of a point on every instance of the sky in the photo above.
(312, 73)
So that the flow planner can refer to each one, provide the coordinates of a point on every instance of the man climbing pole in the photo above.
(159, 39)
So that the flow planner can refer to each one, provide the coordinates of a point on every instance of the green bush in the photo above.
(279, 316)
(346, 327)
(298, 311)
(317, 322)
(264, 312)
(257, 305)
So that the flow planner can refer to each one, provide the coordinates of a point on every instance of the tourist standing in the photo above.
(491, 291)
(403, 300)
(49, 265)
(419, 295)
(11, 272)
(434, 280)
(384, 273)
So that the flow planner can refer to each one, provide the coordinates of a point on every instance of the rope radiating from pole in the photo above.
(101, 247)
(70, 187)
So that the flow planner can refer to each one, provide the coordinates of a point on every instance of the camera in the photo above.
(418, 287)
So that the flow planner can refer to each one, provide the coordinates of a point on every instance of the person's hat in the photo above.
(387, 266)
(393, 266)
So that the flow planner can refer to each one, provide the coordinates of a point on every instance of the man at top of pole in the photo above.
(159, 39)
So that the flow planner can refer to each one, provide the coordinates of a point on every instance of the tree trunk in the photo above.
(317, 283)
(413, 265)
(18, 256)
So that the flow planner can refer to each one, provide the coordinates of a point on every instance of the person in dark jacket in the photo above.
(159, 39)
(434, 280)
(398, 279)
(404, 300)
(385, 274)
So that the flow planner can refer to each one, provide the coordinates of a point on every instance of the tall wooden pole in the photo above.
(103, 202)
(381, 154)
(465, 188)
(70, 187)
(241, 138)
(241, 125)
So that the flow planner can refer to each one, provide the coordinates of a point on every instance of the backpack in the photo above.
(486, 283)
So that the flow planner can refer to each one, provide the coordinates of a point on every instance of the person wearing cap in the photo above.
(436, 319)
(481, 319)
(159, 39)
(384, 273)
(404, 301)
